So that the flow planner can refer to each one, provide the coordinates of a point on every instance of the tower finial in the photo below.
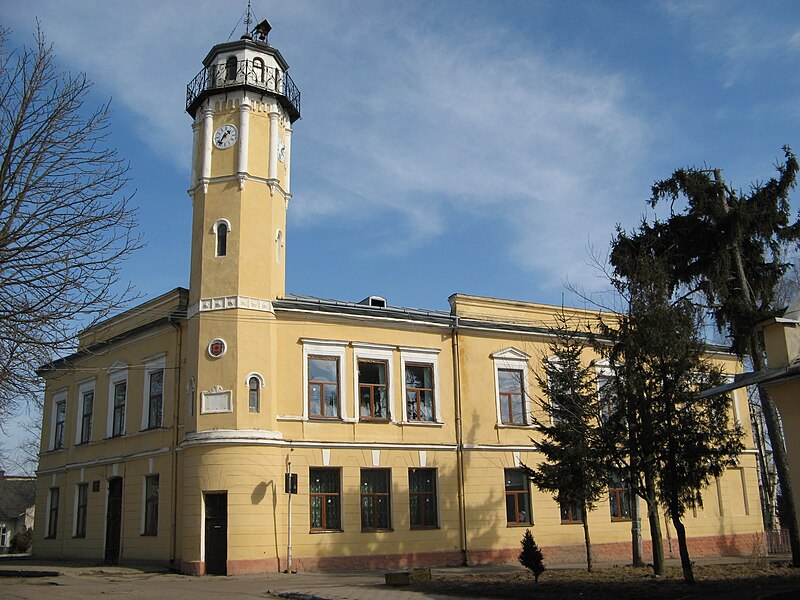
(248, 19)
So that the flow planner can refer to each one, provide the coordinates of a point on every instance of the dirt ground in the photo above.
(728, 582)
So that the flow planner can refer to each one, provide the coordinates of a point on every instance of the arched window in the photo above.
(221, 229)
(254, 394)
(230, 69)
(258, 70)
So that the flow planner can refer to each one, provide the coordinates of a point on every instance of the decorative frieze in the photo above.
(229, 302)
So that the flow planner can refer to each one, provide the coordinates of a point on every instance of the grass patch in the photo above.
(729, 582)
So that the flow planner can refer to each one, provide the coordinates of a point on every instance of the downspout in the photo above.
(173, 534)
(462, 513)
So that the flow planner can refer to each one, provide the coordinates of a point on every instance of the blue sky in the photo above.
(447, 146)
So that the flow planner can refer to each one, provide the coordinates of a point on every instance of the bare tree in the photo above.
(66, 223)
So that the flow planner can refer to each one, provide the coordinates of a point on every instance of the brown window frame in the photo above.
(570, 505)
(508, 397)
(419, 521)
(371, 387)
(155, 401)
(61, 419)
(323, 499)
(619, 496)
(373, 497)
(322, 385)
(516, 494)
(86, 417)
(417, 391)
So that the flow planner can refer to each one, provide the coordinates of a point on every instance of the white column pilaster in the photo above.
(244, 137)
(273, 144)
(208, 141)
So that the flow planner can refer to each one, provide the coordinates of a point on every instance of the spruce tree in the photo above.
(531, 556)
(574, 469)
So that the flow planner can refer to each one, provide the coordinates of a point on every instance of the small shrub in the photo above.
(531, 557)
(21, 542)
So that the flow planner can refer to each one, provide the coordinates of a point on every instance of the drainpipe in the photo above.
(462, 513)
(175, 414)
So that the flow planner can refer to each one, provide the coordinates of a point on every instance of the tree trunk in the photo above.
(655, 525)
(766, 489)
(636, 524)
(686, 563)
(772, 419)
(586, 539)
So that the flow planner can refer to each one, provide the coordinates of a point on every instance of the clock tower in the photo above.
(243, 104)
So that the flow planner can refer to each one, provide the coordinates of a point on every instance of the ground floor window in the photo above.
(518, 503)
(376, 505)
(81, 505)
(423, 503)
(325, 499)
(619, 497)
(150, 505)
(52, 513)
(571, 512)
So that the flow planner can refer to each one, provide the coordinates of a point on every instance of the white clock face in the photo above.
(226, 136)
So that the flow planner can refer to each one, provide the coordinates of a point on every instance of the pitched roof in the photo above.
(16, 495)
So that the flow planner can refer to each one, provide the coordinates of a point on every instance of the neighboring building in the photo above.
(17, 497)
(168, 435)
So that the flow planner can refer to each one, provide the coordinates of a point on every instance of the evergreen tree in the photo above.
(676, 441)
(574, 469)
(727, 248)
(531, 556)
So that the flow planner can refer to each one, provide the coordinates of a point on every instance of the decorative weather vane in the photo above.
(248, 18)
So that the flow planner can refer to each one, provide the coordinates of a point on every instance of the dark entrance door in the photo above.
(113, 520)
(216, 533)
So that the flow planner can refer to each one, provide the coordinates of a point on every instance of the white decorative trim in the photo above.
(516, 360)
(214, 342)
(217, 394)
(113, 460)
(370, 346)
(275, 438)
(423, 458)
(230, 302)
(331, 348)
(230, 436)
(326, 457)
(517, 461)
(376, 458)
(429, 356)
(258, 376)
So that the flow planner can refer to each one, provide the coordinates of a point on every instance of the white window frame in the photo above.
(374, 352)
(151, 365)
(117, 373)
(216, 240)
(516, 360)
(332, 349)
(603, 372)
(58, 397)
(84, 387)
(261, 385)
(426, 356)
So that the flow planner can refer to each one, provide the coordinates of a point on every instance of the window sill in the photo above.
(514, 426)
(572, 522)
(374, 420)
(424, 527)
(149, 535)
(519, 524)
(315, 531)
(620, 519)
(421, 423)
(78, 537)
(375, 530)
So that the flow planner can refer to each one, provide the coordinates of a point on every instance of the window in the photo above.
(61, 416)
(230, 68)
(372, 389)
(52, 513)
(87, 410)
(419, 392)
(120, 393)
(150, 505)
(608, 397)
(325, 499)
(376, 505)
(619, 497)
(423, 503)
(512, 406)
(221, 230)
(81, 503)
(258, 70)
(511, 385)
(571, 512)
(518, 507)
(254, 394)
(155, 399)
(323, 387)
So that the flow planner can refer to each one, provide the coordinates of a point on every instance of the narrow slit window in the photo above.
(254, 394)
(230, 68)
(222, 239)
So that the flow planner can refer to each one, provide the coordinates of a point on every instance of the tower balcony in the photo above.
(250, 75)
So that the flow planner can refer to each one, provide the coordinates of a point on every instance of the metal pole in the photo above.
(289, 522)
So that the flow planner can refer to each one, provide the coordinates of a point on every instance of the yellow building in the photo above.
(169, 435)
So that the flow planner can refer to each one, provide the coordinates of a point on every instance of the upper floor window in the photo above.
(258, 70)
(511, 386)
(230, 68)
(419, 392)
(120, 398)
(518, 502)
(221, 230)
(61, 417)
(86, 413)
(155, 400)
(254, 394)
(373, 395)
(323, 386)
